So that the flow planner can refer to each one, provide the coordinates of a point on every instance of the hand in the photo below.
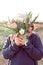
(19, 40)
(21, 37)
(12, 37)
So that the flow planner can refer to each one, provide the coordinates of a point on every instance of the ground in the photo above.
(5, 62)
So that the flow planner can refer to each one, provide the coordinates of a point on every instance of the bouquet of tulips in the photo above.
(21, 27)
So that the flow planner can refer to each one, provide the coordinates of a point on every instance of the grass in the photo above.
(1, 46)
(38, 29)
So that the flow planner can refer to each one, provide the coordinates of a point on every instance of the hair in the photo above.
(32, 27)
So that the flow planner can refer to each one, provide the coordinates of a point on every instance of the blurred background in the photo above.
(10, 10)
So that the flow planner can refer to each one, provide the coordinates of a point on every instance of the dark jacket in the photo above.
(24, 55)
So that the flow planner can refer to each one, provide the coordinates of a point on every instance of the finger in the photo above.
(21, 36)
(18, 40)
(21, 42)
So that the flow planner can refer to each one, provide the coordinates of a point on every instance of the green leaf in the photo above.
(13, 29)
(28, 17)
(35, 18)
(20, 25)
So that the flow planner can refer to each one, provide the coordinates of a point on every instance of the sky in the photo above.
(10, 8)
